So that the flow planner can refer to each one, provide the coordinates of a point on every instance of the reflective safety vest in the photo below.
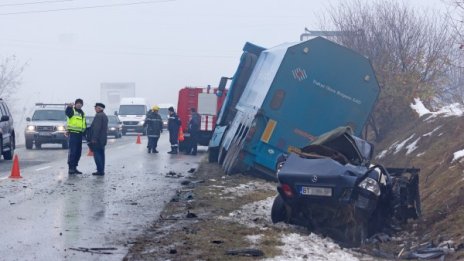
(77, 122)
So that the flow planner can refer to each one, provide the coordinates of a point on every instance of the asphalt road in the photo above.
(48, 214)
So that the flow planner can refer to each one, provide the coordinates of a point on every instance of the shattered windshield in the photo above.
(49, 115)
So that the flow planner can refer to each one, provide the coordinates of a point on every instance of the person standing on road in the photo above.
(98, 138)
(173, 128)
(194, 131)
(76, 127)
(154, 125)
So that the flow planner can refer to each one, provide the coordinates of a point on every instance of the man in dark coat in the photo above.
(76, 127)
(98, 138)
(154, 125)
(173, 128)
(194, 131)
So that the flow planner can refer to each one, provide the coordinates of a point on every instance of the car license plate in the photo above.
(45, 134)
(316, 191)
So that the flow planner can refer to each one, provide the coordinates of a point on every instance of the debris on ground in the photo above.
(245, 252)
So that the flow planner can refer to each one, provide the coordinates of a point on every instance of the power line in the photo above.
(36, 3)
(86, 7)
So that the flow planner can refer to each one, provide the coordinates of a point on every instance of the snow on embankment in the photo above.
(411, 143)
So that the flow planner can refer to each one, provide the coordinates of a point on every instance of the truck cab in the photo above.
(132, 113)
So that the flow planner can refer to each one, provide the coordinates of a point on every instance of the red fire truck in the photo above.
(207, 101)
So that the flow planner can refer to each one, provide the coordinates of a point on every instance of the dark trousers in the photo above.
(152, 142)
(99, 157)
(75, 149)
(174, 138)
(193, 142)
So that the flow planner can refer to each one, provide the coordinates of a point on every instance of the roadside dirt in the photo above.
(215, 215)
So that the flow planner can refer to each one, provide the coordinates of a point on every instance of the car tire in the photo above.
(8, 155)
(279, 210)
(65, 145)
(124, 133)
(29, 144)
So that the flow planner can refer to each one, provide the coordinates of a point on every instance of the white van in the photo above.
(132, 113)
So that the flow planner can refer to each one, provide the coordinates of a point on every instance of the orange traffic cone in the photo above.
(138, 139)
(15, 173)
(90, 153)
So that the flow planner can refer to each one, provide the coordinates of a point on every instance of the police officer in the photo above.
(76, 127)
(194, 131)
(173, 128)
(154, 125)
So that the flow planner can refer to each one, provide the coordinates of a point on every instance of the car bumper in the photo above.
(135, 128)
(46, 137)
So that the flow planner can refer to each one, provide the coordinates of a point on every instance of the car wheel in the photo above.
(29, 144)
(65, 145)
(124, 133)
(356, 233)
(279, 210)
(38, 145)
(8, 155)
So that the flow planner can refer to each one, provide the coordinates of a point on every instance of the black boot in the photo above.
(149, 150)
(173, 150)
(154, 151)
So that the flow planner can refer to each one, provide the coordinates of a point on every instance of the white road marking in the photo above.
(44, 168)
(3, 178)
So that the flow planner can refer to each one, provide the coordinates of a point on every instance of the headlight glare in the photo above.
(371, 185)
(60, 128)
(30, 128)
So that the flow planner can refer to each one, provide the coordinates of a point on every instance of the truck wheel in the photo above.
(213, 154)
(65, 145)
(279, 210)
(29, 144)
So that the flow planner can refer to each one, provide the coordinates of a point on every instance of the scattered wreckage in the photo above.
(331, 187)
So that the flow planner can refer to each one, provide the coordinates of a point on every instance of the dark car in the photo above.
(331, 187)
(114, 125)
(7, 132)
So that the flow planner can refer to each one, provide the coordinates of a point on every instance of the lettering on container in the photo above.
(336, 92)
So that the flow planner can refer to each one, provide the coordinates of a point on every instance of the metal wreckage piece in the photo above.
(331, 187)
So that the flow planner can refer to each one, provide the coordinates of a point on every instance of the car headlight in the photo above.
(112, 128)
(60, 128)
(30, 128)
(141, 122)
(371, 185)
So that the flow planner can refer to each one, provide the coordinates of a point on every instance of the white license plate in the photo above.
(316, 191)
(44, 134)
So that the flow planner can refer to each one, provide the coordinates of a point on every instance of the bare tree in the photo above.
(10, 75)
(409, 51)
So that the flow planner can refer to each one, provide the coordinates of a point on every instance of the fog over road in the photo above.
(47, 212)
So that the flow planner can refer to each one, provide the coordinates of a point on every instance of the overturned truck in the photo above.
(331, 187)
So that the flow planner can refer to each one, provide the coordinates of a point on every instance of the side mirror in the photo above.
(222, 86)
(5, 118)
(28, 119)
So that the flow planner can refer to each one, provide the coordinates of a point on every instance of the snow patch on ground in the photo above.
(401, 145)
(294, 245)
(430, 133)
(254, 239)
(457, 155)
(245, 189)
(311, 247)
(382, 154)
(412, 147)
(420, 154)
(454, 109)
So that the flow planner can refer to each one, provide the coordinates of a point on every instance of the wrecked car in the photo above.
(331, 188)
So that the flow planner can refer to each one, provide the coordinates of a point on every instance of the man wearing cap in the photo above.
(173, 128)
(154, 125)
(76, 127)
(98, 138)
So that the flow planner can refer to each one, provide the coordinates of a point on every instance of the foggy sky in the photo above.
(162, 47)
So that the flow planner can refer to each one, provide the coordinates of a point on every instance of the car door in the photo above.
(4, 126)
(9, 125)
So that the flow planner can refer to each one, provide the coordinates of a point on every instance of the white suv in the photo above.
(47, 125)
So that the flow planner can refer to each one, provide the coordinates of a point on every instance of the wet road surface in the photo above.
(48, 212)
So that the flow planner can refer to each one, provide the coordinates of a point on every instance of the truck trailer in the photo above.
(292, 94)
